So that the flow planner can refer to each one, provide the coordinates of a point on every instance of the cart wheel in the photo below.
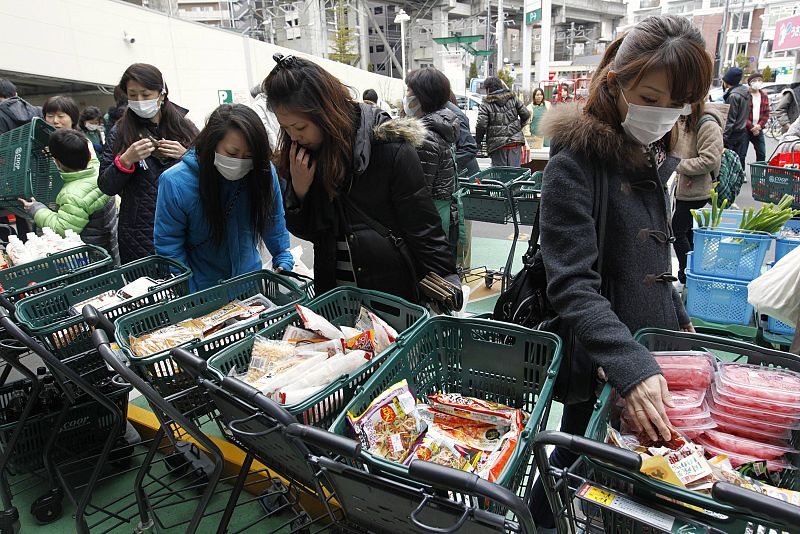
(9, 521)
(48, 508)
(488, 280)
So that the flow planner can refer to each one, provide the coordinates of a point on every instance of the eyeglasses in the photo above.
(283, 61)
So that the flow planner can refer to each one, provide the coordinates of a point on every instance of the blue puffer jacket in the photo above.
(181, 229)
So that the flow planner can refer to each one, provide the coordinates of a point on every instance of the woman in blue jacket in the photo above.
(223, 197)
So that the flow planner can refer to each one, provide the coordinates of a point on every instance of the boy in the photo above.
(82, 207)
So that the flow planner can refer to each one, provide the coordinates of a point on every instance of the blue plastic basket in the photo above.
(730, 254)
(718, 300)
(777, 327)
(784, 246)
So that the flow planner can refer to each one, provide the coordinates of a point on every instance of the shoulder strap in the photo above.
(705, 118)
(375, 225)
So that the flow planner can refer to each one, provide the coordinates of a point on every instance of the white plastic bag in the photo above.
(777, 292)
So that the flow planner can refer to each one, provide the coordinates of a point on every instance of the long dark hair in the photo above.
(258, 182)
(172, 125)
(665, 42)
(303, 87)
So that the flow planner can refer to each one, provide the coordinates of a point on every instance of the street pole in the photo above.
(720, 48)
(499, 37)
(402, 17)
(527, 47)
(488, 37)
(738, 29)
(543, 65)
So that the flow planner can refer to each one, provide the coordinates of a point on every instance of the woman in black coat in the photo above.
(151, 136)
(348, 167)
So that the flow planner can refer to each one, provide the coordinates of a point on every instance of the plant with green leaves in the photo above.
(770, 218)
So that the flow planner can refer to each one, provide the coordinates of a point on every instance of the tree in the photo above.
(473, 71)
(505, 75)
(743, 62)
(343, 38)
(767, 74)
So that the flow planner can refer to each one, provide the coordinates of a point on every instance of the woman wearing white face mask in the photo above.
(221, 200)
(150, 137)
(623, 134)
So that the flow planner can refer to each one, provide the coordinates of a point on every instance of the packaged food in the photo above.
(385, 335)
(332, 347)
(349, 331)
(745, 424)
(102, 302)
(781, 439)
(686, 402)
(491, 466)
(306, 362)
(318, 324)
(436, 448)
(768, 383)
(165, 338)
(331, 369)
(139, 287)
(686, 370)
(290, 395)
(775, 407)
(746, 447)
(680, 421)
(475, 435)
(692, 431)
(364, 341)
(214, 321)
(268, 357)
(258, 303)
(472, 408)
(389, 426)
(737, 459)
(296, 335)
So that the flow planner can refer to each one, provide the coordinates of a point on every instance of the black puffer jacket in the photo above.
(437, 151)
(15, 112)
(138, 191)
(101, 230)
(389, 186)
(500, 120)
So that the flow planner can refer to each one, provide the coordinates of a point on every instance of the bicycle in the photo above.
(773, 128)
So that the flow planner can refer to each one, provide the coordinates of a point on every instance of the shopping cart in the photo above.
(770, 183)
(604, 488)
(340, 306)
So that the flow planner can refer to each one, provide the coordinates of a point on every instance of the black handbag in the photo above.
(525, 303)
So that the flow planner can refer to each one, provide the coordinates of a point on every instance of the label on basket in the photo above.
(629, 508)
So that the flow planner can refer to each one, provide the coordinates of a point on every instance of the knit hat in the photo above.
(755, 76)
(733, 76)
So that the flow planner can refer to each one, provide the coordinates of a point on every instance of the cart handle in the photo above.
(454, 528)
(245, 392)
(762, 505)
(451, 479)
(783, 141)
(623, 458)
(233, 427)
(96, 320)
(324, 440)
(190, 362)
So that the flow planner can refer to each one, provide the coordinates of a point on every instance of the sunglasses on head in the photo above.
(283, 61)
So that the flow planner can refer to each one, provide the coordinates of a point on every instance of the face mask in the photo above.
(411, 106)
(648, 124)
(232, 168)
(756, 86)
(92, 127)
(146, 109)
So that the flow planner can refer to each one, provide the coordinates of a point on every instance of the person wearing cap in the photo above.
(759, 115)
(737, 96)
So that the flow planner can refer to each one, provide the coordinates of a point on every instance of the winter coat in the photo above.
(15, 112)
(536, 114)
(500, 119)
(466, 147)
(82, 208)
(388, 185)
(182, 232)
(138, 191)
(637, 256)
(788, 109)
(763, 112)
(738, 100)
(436, 152)
(700, 150)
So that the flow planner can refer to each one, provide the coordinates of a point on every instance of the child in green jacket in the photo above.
(82, 207)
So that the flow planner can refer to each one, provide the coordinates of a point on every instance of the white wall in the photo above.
(82, 40)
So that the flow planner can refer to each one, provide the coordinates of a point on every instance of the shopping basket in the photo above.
(341, 307)
(706, 510)
(770, 183)
(159, 369)
(731, 254)
(498, 362)
(527, 193)
(27, 168)
(47, 315)
(486, 196)
(53, 271)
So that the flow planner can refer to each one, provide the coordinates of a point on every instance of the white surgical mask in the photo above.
(146, 109)
(232, 168)
(92, 127)
(756, 86)
(411, 106)
(648, 124)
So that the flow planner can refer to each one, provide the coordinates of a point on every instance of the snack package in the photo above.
(389, 426)
(139, 287)
(288, 395)
(689, 465)
(103, 301)
(472, 434)
(165, 338)
(349, 331)
(436, 448)
(267, 357)
(296, 335)
(364, 341)
(385, 335)
(490, 467)
(331, 369)
(216, 320)
(307, 362)
(318, 324)
(473, 409)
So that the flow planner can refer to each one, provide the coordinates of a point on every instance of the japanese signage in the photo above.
(787, 34)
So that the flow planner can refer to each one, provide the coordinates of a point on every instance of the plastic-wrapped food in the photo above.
(294, 396)
(729, 405)
(686, 370)
(364, 341)
(475, 409)
(775, 407)
(349, 331)
(686, 402)
(765, 383)
(268, 357)
(749, 428)
(165, 338)
(305, 363)
(389, 426)
(102, 302)
(746, 447)
(439, 449)
(329, 370)
(481, 436)
(139, 287)
(737, 459)
(296, 335)
(317, 323)
(385, 335)
(491, 466)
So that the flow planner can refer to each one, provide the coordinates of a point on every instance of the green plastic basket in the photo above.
(769, 184)
(527, 193)
(486, 194)
(54, 271)
(499, 362)
(47, 316)
(341, 307)
(26, 168)
(720, 516)
(159, 369)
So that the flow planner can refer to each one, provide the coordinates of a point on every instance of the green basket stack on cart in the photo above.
(486, 195)
(341, 307)
(527, 193)
(48, 316)
(479, 358)
(26, 168)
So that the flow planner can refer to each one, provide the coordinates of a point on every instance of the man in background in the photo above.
(14, 111)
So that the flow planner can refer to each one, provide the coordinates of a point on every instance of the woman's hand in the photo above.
(171, 149)
(645, 405)
(688, 328)
(138, 151)
(27, 204)
(302, 173)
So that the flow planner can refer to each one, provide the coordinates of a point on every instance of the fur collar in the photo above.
(571, 129)
(501, 97)
(402, 129)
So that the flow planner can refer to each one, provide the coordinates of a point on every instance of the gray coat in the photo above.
(437, 151)
(788, 109)
(500, 119)
(637, 258)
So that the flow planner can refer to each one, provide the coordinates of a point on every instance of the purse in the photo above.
(525, 303)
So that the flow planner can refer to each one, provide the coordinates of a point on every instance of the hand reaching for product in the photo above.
(138, 151)
(645, 405)
(171, 149)
(302, 171)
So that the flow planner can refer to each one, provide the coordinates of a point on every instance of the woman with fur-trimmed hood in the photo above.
(348, 167)
(646, 81)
